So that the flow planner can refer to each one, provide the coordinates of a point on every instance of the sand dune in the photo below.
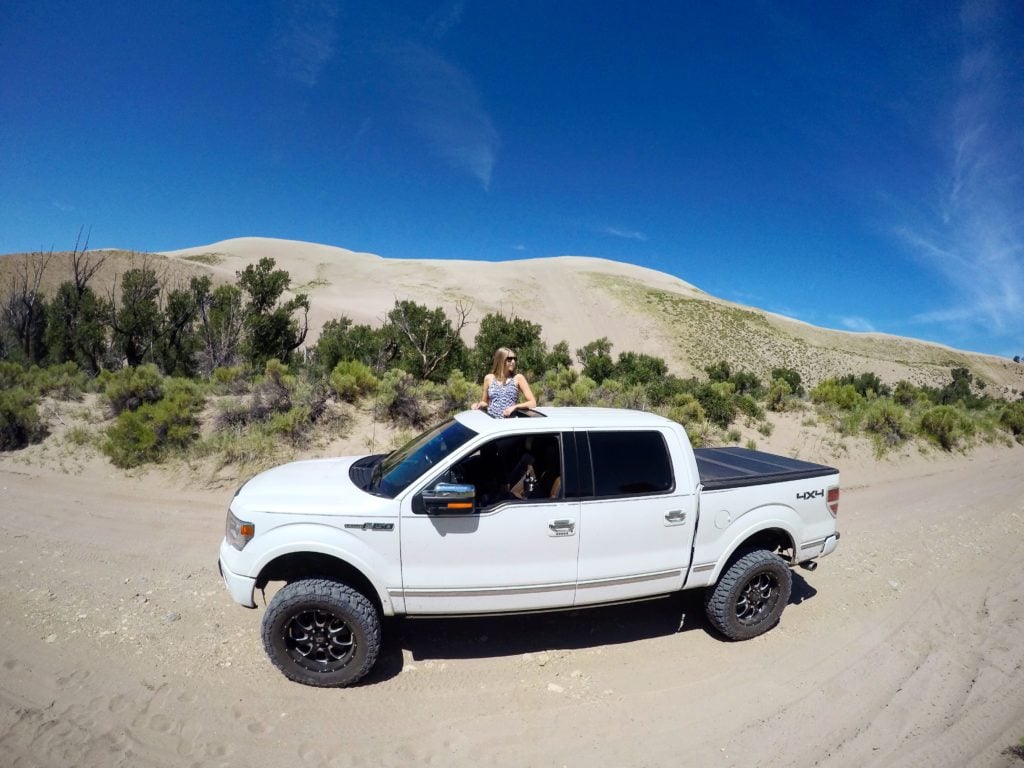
(578, 299)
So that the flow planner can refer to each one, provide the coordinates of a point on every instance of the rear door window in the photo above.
(630, 463)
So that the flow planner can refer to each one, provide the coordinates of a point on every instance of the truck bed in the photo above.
(721, 468)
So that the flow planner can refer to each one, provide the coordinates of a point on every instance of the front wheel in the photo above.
(749, 597)
(321, 633)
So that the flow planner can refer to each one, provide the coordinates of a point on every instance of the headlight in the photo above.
(238, 532)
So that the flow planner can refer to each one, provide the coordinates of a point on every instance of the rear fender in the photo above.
(710, 558)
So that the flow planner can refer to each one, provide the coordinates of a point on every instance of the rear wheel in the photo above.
(321, 633)
(749, 597)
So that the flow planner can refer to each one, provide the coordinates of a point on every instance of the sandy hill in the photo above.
(573, 298)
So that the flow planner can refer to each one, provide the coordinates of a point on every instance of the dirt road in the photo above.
(120, 647)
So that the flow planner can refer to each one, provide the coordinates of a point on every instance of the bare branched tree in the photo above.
(84, 265)
(24, 306)
(428, 335)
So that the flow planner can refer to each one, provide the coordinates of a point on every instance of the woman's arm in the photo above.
(485, 399)
(524, 388)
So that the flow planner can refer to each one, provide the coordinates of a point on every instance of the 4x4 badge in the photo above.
(810, 495)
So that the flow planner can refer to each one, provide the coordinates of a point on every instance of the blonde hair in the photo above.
(501, 354)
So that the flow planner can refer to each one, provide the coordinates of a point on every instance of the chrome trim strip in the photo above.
(812, 544)
(613, 582)
(481, 591)
(703, 567)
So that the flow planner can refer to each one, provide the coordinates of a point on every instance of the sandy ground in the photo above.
(120, 647)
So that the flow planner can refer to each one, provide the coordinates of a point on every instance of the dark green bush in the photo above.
(400, 400)
(905, 393)
(747, 383)
(791, 377)
(718, 403)
(867, 384)
(150, 432)
(130, 388)
(1012, 419)
(20, 424)
(11, 375)
(779, 395)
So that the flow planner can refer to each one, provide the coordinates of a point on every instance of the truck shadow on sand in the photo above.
(511, 635)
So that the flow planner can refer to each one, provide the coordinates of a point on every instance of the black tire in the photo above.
(749, 598)
(321, 633)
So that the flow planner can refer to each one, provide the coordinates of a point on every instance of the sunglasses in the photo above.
(510, 359)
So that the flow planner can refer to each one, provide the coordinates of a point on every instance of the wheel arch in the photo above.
(770, 528)
(296, 566)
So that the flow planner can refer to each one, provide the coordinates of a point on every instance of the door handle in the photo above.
(562, 526)
(676, 516)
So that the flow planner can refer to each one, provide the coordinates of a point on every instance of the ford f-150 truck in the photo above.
(564, 508)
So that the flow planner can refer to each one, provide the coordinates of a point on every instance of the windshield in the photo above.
(399, 469)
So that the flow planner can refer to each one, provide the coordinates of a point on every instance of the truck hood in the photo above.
(313, 487)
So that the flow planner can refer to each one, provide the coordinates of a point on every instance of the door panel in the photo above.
(634, 547)
(518, 551)
(518, 556)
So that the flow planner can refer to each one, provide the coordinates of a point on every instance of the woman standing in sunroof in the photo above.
(503, 387)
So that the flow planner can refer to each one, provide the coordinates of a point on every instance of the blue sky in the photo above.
(856, 166)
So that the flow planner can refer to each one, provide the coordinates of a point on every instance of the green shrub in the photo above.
(831, 392)
(867, 384)
(946, 425)
(887, 421)
(401, 400)
(686, 409)
(1012, 419)
(64, 382)
(905, 393)
(130, 388)
(748, 406)
(230, 380)
(613, 393)
(150, 432)
(766, 428)
(293, 425)
(20, 424)
(578, 393)
(11, 375)
(352, 380)
(458, 393)
(718, 403)
(791, 377)
(779, 394)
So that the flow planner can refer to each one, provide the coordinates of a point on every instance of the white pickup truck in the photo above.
(564, 508)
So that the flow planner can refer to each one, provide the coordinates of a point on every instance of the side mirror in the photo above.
(449, 499)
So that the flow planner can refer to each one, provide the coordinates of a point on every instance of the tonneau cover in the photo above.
(738, 467)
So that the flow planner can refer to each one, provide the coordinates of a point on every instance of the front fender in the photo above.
(373, 552)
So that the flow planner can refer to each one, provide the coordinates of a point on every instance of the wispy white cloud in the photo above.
(443, 106)
(625, 234)
(306, 40)
(976, 240)
(446, 17)
(858, 324)
(518, 247)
